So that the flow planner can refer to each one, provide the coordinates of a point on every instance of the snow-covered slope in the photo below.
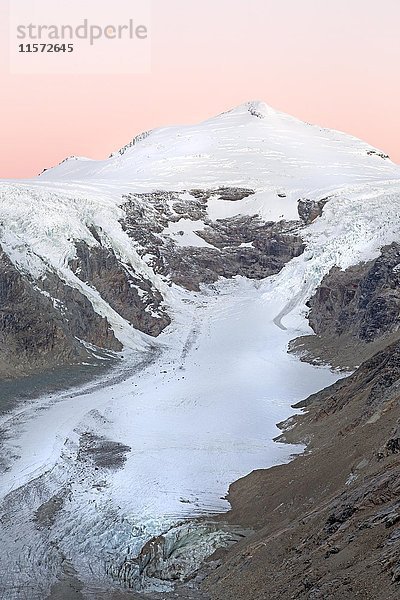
(252, 145)
(126, 247)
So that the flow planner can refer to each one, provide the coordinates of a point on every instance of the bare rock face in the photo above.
(355, 313)
(240, 245)
(243, 246)
(309, 210)
(363, 300)
(231, 194)
(34, 335)
(78, 314)
(131, 296)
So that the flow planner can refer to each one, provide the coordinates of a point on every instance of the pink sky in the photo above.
(331, 63)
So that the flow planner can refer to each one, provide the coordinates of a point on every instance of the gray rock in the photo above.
(34, 331)
(309, 210)
(363, 300)
(120, 287)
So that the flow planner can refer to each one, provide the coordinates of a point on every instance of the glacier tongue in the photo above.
(198, 417)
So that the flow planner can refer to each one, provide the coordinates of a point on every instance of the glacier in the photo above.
(195, 408)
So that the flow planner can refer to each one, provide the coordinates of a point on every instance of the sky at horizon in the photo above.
(334, 64)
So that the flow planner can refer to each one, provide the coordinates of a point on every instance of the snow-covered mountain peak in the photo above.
(252, 145)
(259, 109)
(255, 108)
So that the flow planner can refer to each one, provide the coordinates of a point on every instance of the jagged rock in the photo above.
(233, 194)
(309, 210)
(138, 138)
(335, 520)
(363, 300)
(269, 245)
(393, 445)
(34, 335)
(392, 519)
(354, 313)
(133, 297)
(377, 153)
(396, 574)
(78, 313)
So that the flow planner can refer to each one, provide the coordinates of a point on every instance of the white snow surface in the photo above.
(202, 413)
(252, 145)
(184, 232)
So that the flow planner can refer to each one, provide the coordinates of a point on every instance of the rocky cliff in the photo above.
(45, 324)
(354, 312)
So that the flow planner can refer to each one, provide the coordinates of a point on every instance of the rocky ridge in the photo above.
(34, 331)
(355, 312)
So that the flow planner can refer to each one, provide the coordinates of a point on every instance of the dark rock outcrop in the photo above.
(231, 193)
(77, 313)
(355, 312)
(242, 245)
(309, 210)
(269, 247)
(34, 335)
(131, 296)
(363, 300)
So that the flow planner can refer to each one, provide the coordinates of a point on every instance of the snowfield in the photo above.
(202, 411)
(252, 145)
